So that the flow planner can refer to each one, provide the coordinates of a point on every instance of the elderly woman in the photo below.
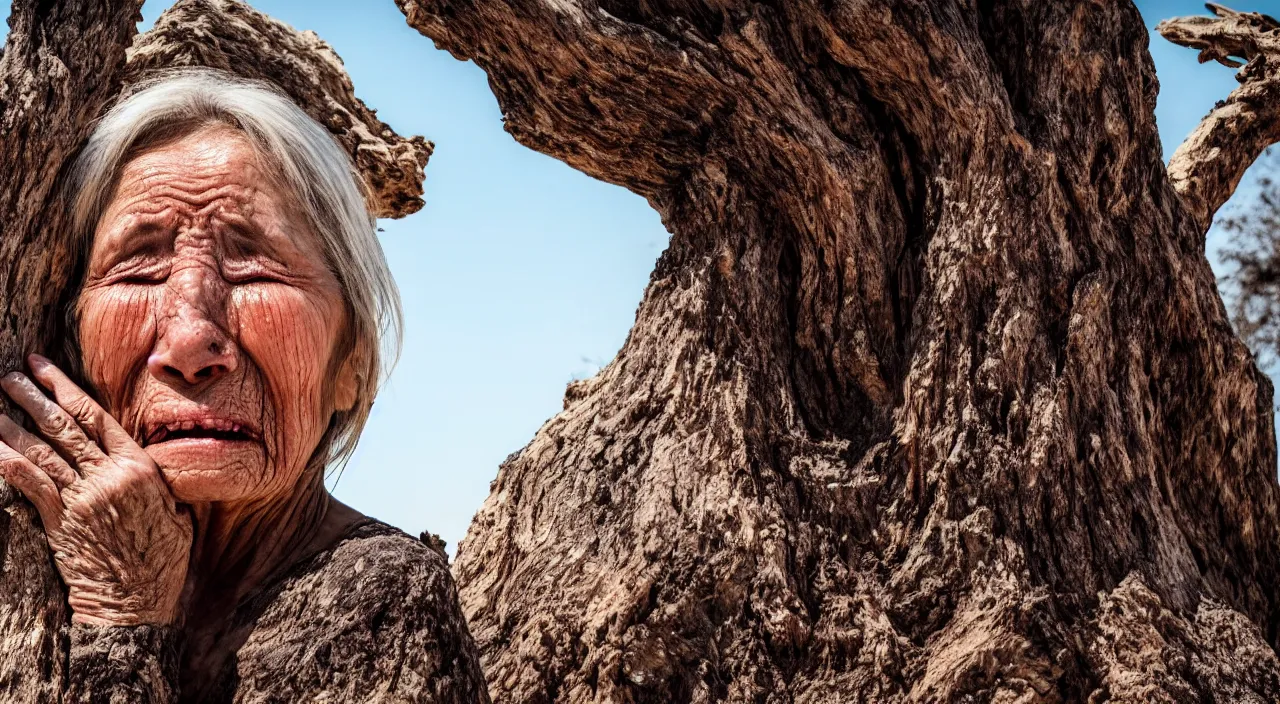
(231, 320)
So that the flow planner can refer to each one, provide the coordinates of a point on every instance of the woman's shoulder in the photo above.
(378, 556)
(372, 567)
(373, 615)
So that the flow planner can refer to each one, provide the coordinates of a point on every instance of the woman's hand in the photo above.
(120, 541)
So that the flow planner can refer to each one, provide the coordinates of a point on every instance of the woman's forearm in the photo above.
(123, 664)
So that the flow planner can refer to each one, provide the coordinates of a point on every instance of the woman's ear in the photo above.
(347, 385)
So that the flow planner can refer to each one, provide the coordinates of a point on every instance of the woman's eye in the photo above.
(139, 275)
(250, 273)
(255, 279)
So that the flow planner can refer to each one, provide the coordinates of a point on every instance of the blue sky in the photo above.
(522, 274)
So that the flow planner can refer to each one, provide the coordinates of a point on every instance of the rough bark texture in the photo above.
(1209, 165)
(932, 397)
(374, 618)
(62, 64)
(129, 663)
(230, 35)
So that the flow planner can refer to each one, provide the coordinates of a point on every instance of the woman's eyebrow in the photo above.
(246, 232)
(140, 235)
(136, 238)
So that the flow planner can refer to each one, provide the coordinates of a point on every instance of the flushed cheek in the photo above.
(289, 334)
(117, 332)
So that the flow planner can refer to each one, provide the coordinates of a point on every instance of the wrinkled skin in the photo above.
(112, 509)
(211, 331)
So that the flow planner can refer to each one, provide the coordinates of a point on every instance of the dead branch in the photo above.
(230, 35)
(1209, 165)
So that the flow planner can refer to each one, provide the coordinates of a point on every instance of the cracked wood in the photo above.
(932, 396)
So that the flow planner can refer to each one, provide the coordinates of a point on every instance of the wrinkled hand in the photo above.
(119, 539)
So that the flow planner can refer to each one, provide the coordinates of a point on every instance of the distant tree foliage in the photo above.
(1251, 284)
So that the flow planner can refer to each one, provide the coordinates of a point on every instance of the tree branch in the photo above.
(230, 35)
(1208, 166)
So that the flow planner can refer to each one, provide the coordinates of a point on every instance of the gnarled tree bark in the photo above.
(62, 64)
(230, 35)
(1209, 165)
(932, 397)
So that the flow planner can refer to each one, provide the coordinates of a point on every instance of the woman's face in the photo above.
(209, 322)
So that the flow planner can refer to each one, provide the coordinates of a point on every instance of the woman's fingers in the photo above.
(34, 484)
(55, 424)
(96, 422)
(37, 452)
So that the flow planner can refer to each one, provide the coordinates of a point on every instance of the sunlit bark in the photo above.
(932, 396)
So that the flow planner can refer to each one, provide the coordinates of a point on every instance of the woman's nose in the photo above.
(192, 352)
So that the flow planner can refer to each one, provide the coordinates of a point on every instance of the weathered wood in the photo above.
(63, 63)
(932, 396)
(1208, 166)
(230, 35)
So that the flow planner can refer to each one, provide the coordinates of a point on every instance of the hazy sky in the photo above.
(522, 274)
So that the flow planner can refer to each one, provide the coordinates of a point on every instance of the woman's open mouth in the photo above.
(204, 429)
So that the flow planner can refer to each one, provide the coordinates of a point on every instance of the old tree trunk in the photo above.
(62, 64)
(932, 397)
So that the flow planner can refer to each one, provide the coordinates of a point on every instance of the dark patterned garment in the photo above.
(375, 618)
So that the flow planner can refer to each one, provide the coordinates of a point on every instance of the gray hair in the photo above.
(310, 165)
